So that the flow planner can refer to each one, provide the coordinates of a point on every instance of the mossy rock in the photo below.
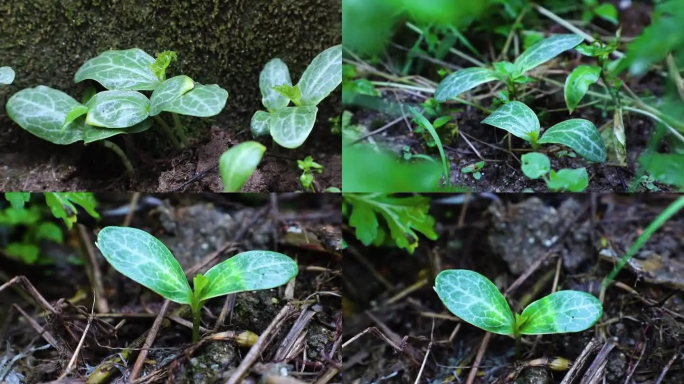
(218, 42)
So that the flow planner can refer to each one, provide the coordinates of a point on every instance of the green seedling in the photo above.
(56, 117)
(476, 300)
(144, 259)
(6, 75)
(474, 169)
(578, 134)
(352, 86)
(506, 72)
(606, 11)
(308, 167)
(237, 164)
(537, 165)
(419, 119)
(290, 126)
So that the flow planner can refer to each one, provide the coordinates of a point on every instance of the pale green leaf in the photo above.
(607, 11)
(545, 50)
(121, 70)
(62, 205)
(615, 140)
(667, 168)
(117, 109)
(275, 73)
(561, 312)
(6, 75)
(578, 82)
(162, 62)
(238, 163)
(580, 135)
(202, 101)
(143, 258)
(571, 180)
(169, 91)
(463, 80)
(260, 124)
(42, 111)
(322, 76)
(535, 165)
(92, 134)
(291, 126)
(516, 118)
(74, 114)
(475, 300)
(17, 199)
(249, 271)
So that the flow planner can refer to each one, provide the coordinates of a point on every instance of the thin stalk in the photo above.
(121, 154)
(196, 306)
(648, 232)
(167, 130)
(179, 129)
(518, 343)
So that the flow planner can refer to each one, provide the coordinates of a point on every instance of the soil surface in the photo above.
(393, 317)
(473, 141)
(200, 230)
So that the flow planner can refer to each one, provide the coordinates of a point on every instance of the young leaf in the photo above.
(580, 135)
(322, 76)
(74, 114)
(572, 180)
(291, 126)
(238, 163)
(290, 92)
(545, 50)
(463, 80)
(163, 60)
(535, 165)
(577, 84)
(402, 215)
(561, 312)
(202, 101)
(426, 124)
(504, 68)
(121, 70)
(169, 91)
(607, 12)
(92, 134)
(275, 73)
(42, 111)
(117, 109)
(6, 75)
(17, 199)
(516, 118)
(62, 205)
(475, 299)
(249, 271)
(260, 124)
(143, 258)
(667, 168)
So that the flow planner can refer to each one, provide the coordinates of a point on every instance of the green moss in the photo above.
(221, 42)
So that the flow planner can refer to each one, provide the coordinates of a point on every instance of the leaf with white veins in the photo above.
(202, 101)
(580, 135)
(516, 118)
(578, 82)
(121, 70)
(275, 73)
(463, 80)
(260, 124)
(546, 50)
(117, 109)
(6, 75)
(169, 91)
(291, 126)
(322, 76)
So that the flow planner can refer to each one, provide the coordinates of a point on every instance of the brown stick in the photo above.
(480, 353)
(148, 342)
(95, 275)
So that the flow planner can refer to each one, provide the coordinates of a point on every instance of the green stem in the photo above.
(120, 153)
(648, 232)
(511, 89)
(518, 343)
(179, 129)
(167, 130)
(196, 306)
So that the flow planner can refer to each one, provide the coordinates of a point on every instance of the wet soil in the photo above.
(389, 297)
(193, 227)
(28, 163)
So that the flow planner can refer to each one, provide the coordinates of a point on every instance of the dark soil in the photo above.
(502, 172)
(501, 239)
(193, 227)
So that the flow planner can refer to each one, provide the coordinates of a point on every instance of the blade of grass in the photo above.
(425, 123)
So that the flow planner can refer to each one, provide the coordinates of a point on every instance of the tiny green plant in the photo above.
(474, 169)
(146, 260)
(476, 300)
(578, 134)
(537, 165)
(506, 72)
(308, 167)
(237, 164)
(55, 116)
(291, 126)
(425, 123)
(6, 75)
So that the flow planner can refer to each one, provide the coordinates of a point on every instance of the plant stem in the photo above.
(167, 130)
(518, 343)
(179, 129)
(120, 153)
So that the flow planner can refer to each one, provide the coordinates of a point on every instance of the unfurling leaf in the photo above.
(577, 84)
(238, 163)
(163, 60)
(291, 93)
